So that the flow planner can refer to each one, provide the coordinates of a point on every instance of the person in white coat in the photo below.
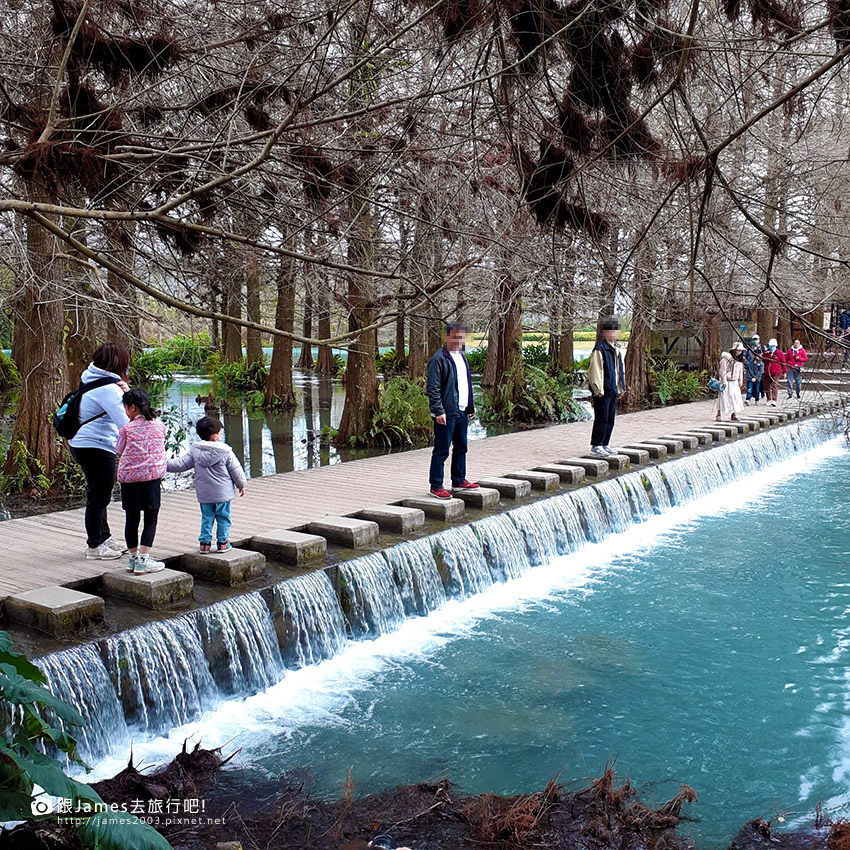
(730, 373)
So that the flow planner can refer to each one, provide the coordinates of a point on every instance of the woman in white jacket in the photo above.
(93, 446)
(730, 373)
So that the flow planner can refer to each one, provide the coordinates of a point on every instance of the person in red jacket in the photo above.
(774, 370)
(795, 357)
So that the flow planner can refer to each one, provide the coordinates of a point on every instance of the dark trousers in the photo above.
(98, 466)
(132, 519)
(452, 434)
(604, 412)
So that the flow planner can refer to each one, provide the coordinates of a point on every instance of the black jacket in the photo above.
(442, 385)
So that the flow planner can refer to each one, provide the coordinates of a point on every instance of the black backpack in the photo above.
(66, 420)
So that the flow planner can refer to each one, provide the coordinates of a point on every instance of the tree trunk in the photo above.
(39, 320)
(783, 332)
(233, 307)
(637, 351)
(253, 284)
(279, 391)
(765, 325)
(508, 372)
(399, 325)
(709, 355)
(122, 323)
(488, 377)
(305, 360)
(80, 325)
(325, 358)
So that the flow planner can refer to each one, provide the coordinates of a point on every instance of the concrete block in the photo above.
(635, 456)
(153, 590)
(396, 518)
(58, 611)
(545, 481)
(689, 441)
(672, 445)
(618, 462)
(703, 437)
(448, 510)
(656, 451)
(346, 530)
(291, 547)
(483, 497)
(729, 428)
(567, 474)
(231, 568)
(510, 488)
(741, 427)
(783, 416)
(755, 424)
(593, 467)
(717, 434)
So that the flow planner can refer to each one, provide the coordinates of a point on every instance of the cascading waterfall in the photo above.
(311, 626)
(149, 679)
(77, 676)
(240, 644)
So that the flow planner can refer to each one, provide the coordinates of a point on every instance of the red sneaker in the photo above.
(465, 485)
(441, 493)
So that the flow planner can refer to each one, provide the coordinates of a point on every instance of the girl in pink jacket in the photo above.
(141, 444)
(795, 357)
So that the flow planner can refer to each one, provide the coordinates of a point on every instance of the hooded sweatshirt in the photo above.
(216, 470)
(102, 433)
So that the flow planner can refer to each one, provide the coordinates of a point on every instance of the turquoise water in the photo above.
(717, 657)
(709, 646)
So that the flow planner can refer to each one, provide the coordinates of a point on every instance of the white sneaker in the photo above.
(112, 543)
(131, 562)
(104, 552)
(747, 402)
(599, 451)
(609, 450)
(146, 564)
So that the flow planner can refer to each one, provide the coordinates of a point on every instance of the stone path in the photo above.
(48, 550)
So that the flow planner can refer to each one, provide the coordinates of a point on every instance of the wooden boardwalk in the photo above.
(49, 549)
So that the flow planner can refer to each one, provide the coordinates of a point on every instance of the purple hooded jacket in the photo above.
(217, 470)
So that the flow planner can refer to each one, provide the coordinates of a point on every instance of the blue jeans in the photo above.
(795, 379)
(218, 512)
(453, 434)
(754, 390)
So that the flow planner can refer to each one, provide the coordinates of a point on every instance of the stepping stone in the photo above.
(656, 450)
(153, 590)
(510, 488)
(617, 462)
(395, 518)
(783, 416)
(728, 428)
(346, 530)
(567, 474)
(635, 456)
(755, 424)
(233, 567)
(703, 437)
(688, 441)
(483, 497)
(593, 467)
(544, 481)
(672, 445)
(741, 427)
(448, 510)
(291, 547)
(717, 434)
(58, 611)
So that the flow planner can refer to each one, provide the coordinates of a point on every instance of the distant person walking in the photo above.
(730, 373)
(795, 357)
(93, 446)
(607, 379)
(774, 370)
(753, 373)
(844, 334)
(217, 472)
(141, 445)
(449, 389)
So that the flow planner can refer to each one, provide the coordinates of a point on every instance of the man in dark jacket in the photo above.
(607, 380)
(450, 402)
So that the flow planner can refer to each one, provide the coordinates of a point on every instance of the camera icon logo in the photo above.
(41, 807)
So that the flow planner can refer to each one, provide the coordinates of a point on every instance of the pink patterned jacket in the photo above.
(141, 444)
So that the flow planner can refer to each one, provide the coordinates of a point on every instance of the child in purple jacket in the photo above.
(217, 471)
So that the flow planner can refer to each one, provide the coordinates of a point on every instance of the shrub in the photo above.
(545, 398)
(9, 374)
(236, 377)
(668, 382)
(401, 416)
(159, 361)
(151, 366)
(536, 356)
(477, 357)
(389, 361)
